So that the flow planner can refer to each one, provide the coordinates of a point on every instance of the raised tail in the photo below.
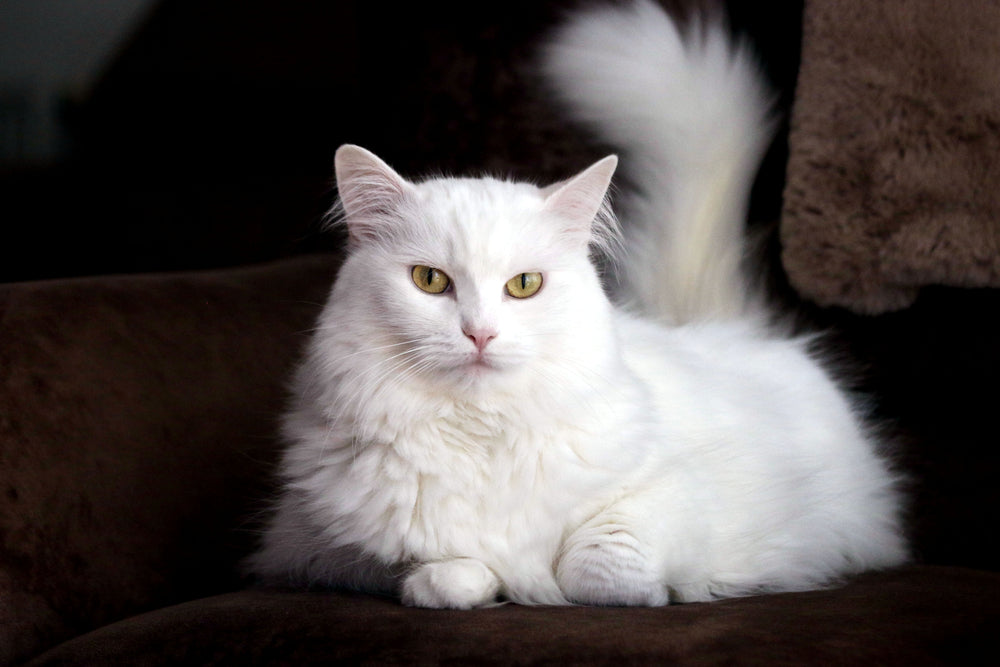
(691, 113)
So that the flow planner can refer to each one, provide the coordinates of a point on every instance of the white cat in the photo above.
(474, 420)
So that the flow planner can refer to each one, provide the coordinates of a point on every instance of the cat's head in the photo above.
(469, 280)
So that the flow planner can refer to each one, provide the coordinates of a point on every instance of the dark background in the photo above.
(209, 139)
(208, 142)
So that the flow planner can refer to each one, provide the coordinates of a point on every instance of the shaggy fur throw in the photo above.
(894, 170)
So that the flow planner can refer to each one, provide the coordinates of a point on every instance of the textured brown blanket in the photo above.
(894, 174)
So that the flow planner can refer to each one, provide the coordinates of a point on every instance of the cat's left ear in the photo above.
(371, 193)
(578, 200)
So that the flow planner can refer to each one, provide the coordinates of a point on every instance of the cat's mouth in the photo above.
(480, 362)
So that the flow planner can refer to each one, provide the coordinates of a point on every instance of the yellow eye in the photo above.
(524, 285)
(430, 280)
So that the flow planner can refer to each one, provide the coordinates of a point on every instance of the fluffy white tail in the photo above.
(692, 115)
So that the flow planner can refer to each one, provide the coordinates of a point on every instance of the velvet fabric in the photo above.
(137, 420)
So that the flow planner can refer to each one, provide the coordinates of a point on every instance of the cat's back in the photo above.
(732, 381)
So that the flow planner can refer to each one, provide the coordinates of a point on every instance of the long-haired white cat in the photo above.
(475, 420)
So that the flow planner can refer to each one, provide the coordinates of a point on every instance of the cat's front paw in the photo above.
(606, 565)
(457, 583)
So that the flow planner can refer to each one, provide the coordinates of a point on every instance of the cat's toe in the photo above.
(459, 583)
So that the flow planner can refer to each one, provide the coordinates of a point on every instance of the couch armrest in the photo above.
(137, 416)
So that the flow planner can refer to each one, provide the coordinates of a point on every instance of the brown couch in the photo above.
(137, 410)
(136, 438)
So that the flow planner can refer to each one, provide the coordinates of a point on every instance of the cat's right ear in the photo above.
(371, 193)
(582, 202)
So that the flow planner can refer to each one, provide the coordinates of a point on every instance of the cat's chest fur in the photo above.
(474, 482)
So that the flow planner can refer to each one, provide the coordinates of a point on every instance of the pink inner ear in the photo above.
(369, 189)
(579, 199)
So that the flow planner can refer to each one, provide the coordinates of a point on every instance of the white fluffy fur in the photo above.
(586, 454)
(692, 115)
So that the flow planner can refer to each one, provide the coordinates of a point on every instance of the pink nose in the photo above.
(480, 337)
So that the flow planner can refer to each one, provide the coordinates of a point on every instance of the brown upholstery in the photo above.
(136, 434)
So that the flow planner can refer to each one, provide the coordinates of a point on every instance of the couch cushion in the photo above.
(915, 615)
